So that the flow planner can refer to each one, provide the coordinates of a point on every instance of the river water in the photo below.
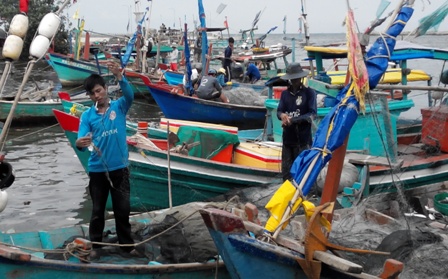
(50, 189)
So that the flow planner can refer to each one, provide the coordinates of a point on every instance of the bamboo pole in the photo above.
(170, 198)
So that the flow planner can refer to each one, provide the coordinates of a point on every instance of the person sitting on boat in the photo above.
(221, 77)
(103, 130)
(173, 57)
(198, 48)
(228, 58)
(296, 109)
(252, 73)
(209, 88)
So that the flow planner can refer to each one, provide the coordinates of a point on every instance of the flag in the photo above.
(226, 25)
(284, 18)
(188, 85)
(74, 1)
(131, 43)
(81, 29)
(220, 8)
(76, 14)
(204, 34)
(356, 65)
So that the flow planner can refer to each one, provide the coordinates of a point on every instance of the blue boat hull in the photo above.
(194, 109)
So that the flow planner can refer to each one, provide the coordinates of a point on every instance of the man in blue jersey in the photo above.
(296, 109)
(102, 130)
(252, 73)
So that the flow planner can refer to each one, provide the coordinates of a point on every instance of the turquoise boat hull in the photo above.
(72, 72)
(192, 179)
(28, 112)
(31, 264)
(364, 135)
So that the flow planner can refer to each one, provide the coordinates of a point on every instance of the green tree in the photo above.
(37, 10)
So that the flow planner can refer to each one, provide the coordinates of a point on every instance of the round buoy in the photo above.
(39, 46)
(19, 25)
(3, 200)
(6, 175)
(49, 25)
(12, 47)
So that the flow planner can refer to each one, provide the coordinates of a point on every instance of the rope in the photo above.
(35, 132)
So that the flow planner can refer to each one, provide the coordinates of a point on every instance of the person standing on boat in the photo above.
(252, 73)
(296, 109)
(102, 130)
(198, 48)
(210, 89)
(228, 58)
(173, 57)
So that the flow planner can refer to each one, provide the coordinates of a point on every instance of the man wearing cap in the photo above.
(252, 73)
(296, 109)
(210, 89)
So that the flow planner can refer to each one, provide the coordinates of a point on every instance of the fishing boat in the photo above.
(36, 106)
(194, 177)
(65, 252)
(71, 71)
(176, 78)
(183, 107)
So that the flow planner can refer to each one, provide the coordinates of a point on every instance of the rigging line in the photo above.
(35, 132)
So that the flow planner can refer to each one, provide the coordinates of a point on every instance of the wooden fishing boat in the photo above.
(176, 78)
(183, 107)
(191, 178)
(36, 106)
(73, 72)
(40, 254)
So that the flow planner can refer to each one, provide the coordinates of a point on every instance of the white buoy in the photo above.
(19, 25)
(49, 25)
(39, 46)
(3, 200)
(13, 47)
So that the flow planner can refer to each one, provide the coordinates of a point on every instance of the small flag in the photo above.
(220, 8)
(226, 24)
(76, 14)
(74, 1)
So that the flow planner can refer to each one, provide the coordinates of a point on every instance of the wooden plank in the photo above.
(361, 159)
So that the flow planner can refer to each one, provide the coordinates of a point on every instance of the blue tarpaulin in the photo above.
(204, 34)
(130, 46)
(336, 125)
(188, 86)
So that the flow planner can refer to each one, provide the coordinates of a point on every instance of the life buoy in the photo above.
(6, 175)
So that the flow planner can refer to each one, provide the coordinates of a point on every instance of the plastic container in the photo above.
(278, 91)
(39, 46)
(441, 203)
(13, 47)
(49, 25)
(19, 25)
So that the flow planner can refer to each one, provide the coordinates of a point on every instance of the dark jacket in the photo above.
(302, 107)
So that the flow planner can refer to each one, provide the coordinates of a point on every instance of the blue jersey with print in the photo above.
(108, 132)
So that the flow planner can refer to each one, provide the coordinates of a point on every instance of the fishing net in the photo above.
(176, 235)
(246, 96)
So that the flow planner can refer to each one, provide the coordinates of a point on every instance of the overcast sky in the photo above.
(324, 16)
